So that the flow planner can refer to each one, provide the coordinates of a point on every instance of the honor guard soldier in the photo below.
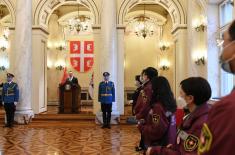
(106, 96)
(10, 98)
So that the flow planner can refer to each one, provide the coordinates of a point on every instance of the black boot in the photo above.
(104, 120)
(108, 120)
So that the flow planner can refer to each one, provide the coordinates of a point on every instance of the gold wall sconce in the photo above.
(200, 61)
(2, 68)
(200, 24)
(164, 68)
(164, 45)
(200, 28)
(164, 65)
(59, 67)
(3, 44)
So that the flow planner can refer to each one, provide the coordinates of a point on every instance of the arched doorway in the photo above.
(7, 20)
(53, 17)
(169, 18)
(59, 62)
(155, 49)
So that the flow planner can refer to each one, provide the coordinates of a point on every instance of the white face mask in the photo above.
(137, 84)
(181, 103)
(141, 79)
(225, 63)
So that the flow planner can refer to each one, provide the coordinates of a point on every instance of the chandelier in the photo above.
(4, 32)
(4, 39)
(79, 23)
(144, 26)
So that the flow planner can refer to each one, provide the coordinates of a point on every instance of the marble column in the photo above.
(181, 57)
(22, 66)
(97, 71)
(108, 52)
(120, 69)
(39, 70)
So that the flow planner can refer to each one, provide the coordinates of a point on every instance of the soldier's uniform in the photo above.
(106, 96)
(1, 85)
(10, 96)
(159, 128)
(188, 135)
(218, 135)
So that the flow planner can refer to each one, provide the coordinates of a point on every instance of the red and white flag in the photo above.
(91, 86)
(65, 76)
(82, 55)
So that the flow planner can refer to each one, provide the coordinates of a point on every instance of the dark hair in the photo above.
(231, 31)
(198, 87)
(162, 93)
(137, 78)
(150, 72)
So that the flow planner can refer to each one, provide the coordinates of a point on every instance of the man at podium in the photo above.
(106, 96)
(72, 79)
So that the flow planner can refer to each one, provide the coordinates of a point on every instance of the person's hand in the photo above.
(169, 146)
(148, 151)
(15, 103)
(2, 103)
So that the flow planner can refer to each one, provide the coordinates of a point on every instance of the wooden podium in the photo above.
(70, 98)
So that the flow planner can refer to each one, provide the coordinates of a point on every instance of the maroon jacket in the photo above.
(142, 105)
(220, 128)
(155, 129)
(187, 144)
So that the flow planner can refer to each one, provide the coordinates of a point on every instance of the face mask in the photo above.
(9, 79)
(137, 84)
(181, 103)
(225, 63)
(141, 79)
(106, 78)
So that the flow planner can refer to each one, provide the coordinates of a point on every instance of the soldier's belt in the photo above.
(106, 95)
(10, 94)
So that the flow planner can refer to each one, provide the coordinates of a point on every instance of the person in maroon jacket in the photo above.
(159, 127)
(196, 91)
(135, 95)
(146, 92)
(218, 133)
(141, 108)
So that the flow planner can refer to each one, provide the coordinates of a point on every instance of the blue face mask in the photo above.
(106, 78)
(9, 79)
(225, 63)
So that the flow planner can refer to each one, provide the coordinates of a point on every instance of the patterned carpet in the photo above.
(65, 138)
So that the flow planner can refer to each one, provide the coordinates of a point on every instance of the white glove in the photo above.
(2, 103)
(15, 103)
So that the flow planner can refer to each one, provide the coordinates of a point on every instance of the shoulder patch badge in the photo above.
(205, 139)
(191, 143)
(156, 118)
(144, 97)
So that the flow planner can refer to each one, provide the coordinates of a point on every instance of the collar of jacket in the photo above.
(198, 112)
(144, 84)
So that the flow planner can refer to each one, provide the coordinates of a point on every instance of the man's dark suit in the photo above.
(74, 80)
